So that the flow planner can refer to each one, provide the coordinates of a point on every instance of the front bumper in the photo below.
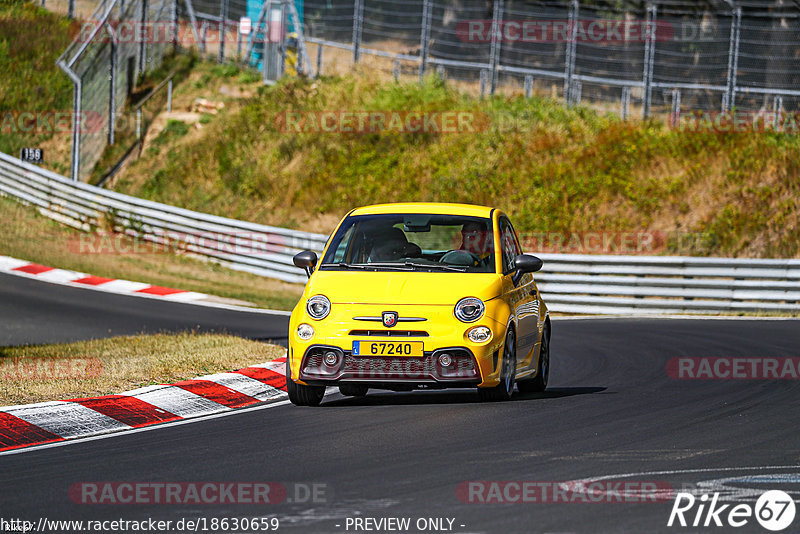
(425, 371)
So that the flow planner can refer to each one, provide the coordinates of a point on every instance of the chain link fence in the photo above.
(118, 42)
(633, 58)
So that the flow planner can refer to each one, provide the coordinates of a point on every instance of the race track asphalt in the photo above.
(611, 410)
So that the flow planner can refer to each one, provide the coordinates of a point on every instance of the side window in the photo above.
(341, 246)
(509, 244)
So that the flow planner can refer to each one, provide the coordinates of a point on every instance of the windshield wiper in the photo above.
(367, 266)
(441, 266)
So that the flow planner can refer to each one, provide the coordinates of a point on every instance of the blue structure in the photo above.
(253, 11)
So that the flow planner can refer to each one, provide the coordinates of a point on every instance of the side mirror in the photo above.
(525, 263)
(306, 260)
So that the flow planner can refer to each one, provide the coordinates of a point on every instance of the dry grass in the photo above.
(110, 366)
(30, 236)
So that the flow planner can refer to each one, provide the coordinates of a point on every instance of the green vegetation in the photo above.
(108, 366)
(30, 236)
(552, 169)
(31, 39)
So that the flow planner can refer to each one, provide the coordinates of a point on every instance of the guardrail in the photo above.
(570, 283)
(244, 246)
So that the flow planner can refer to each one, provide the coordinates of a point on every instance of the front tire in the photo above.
(504, 390)
(301, 395)
(539, 383)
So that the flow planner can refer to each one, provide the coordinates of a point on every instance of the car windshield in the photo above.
(412, 242)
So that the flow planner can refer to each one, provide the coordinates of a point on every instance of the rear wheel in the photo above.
(508, 373)
(301, 395)
(539, 383)
(353, 390)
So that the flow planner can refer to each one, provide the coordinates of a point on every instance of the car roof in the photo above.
(425, 207)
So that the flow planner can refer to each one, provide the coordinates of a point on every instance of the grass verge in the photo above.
(30, 236)
(554, 170)
(109, 366)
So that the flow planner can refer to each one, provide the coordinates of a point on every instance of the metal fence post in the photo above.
(675, 114)
(626, 102)
(569, 63)
(223, 18)
(649, 59)
(396, 70)
(729, 100)
(169, 96)
(777, 108)
(70, 9)
(203, 38)
(143, 44)
(319, 59)
(528, 86)
(425, 37)
(495, 43)
(358, 16)
(484, 76)
(112, 89)
(173, 19)
(77, 95)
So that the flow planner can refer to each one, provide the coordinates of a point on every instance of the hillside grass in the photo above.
(39, 373)
(30, 236)
(552, 169)
(31, 39)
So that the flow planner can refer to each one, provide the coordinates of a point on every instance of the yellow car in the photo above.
(419, 296)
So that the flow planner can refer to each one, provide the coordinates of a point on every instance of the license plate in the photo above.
(387, 348)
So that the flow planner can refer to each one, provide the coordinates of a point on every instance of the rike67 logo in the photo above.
(774, 510)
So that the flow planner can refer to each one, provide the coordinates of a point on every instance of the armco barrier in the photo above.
(570, 283)
(259, 249)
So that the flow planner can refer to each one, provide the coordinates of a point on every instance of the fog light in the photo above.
(331, 358)
(445, 360)
(305, 331)
(479, 334)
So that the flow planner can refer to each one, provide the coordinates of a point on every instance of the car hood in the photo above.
(353, 287)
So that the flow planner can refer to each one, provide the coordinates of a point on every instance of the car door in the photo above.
(523, 298)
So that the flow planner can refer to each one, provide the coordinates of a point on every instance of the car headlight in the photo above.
(305, 331)
(479, 334)
(469, 310)
(318, 307)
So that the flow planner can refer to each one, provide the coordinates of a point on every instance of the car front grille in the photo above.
(389, 333)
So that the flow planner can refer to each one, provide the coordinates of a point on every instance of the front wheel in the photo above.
(301, 395)
(539, 383)
(504, 390)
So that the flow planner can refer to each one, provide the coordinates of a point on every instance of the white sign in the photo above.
(245, 25)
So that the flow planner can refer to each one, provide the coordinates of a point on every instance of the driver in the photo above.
(476, 240)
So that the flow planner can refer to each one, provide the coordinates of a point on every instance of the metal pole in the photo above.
(494, 49)
(138, 123)
(282, 38)
(319, 60)
(425, 37)
(569, 68)
(675, 115)
(649, 58)
(173, 16)
(143, 44)
(777, 107)
(528, 86)
(265, 59)
(734, 64)
(71, 9)
(169, 96)
(76, 126)
(483, 82)
(223, 14)
(238, 43)
(193, 20)
(203, 38)
(396, 70)
(358, 14)
(626, 102)
(112, 89)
